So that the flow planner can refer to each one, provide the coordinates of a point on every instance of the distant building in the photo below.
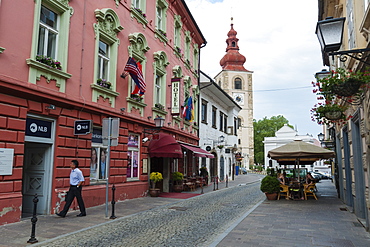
(236, 80)
(284, 136)
(218, 129)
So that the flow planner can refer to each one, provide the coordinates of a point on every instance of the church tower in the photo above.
(236, 80)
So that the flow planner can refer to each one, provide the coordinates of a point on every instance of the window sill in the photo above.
(139, 17)
(159, 111)
(104, 90)
(135, 102)
(40, 66)
(160, 36)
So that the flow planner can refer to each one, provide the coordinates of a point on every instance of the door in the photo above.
(222, 168)
(36, 178)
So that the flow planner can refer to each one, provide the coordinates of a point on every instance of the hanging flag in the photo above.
(185, 107)
(188, 110)
(137, 75)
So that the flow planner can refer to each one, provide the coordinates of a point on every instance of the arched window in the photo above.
(237, 83)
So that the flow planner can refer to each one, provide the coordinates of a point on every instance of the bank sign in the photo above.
(82, 127)
(38, 128)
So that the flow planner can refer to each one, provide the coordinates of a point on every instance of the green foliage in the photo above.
(271, 172)
(270, 184)
(265, 128)
(177, 176)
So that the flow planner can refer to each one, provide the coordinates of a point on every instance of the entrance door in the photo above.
(222, 168)
(36, 178)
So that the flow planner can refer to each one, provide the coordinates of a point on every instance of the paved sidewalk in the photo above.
(325, 222)
(51, 226)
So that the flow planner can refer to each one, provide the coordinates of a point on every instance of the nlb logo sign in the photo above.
(82, 127)
(38, 128)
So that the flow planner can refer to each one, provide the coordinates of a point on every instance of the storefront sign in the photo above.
(96, 136)
(175, 94)
(38, 128)
(6, 161)
(82, 127)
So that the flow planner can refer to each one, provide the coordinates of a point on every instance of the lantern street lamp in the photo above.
(330, 34)
(158, 121)
(322, 74)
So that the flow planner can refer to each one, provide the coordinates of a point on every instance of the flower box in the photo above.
(103, 83)
(49, 61)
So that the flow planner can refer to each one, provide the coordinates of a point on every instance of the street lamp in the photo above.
(326, 144)
(322, 74)
(330, 34)
(158, 121)
(321, 137)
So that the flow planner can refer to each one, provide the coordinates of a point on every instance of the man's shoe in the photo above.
(81, 215)
(60, 215)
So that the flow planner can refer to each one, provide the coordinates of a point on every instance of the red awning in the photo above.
(164, 146)
(198, 151)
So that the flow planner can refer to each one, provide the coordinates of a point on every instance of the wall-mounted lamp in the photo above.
(169, 123)
(330, 34)
(326, 143)
(221, 139)
(158, 121)
(123, 109)
(149, 117)
(50, 107)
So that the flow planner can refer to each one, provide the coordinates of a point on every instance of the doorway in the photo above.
(37, 169)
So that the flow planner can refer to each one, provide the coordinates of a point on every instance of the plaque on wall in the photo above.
(6, 161)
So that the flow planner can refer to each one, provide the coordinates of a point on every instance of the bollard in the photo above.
(33, 239)
(227, 181)
(214, 183)
(201, 184)
(113, 202)
(217, 181)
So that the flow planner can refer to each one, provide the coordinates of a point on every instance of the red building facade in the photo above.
(61, 62)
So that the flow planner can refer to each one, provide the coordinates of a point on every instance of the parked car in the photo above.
(243, 170)
(324, 176)
(316, 176)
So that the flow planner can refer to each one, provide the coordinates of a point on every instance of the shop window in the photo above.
(133, 157)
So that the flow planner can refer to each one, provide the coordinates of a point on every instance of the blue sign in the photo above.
(38, 128)
(97, 136)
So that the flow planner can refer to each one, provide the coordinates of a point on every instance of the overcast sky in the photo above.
(281, 48)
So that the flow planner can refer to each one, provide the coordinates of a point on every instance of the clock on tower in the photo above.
(239, 98)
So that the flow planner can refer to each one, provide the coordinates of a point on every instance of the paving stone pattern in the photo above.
(193, 222)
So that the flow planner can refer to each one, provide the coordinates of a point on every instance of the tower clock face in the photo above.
(239, 98)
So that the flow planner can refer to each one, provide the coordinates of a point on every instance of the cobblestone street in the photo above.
(193, 222)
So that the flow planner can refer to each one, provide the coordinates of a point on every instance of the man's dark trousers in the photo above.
(72, 193)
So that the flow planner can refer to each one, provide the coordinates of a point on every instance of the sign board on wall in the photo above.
(175, 96)
(6, 161)
(38, 128)
(82, 127)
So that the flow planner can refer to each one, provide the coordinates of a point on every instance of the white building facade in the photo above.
(218, 129)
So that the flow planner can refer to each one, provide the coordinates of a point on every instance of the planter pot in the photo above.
(348, 88)
(334, 115)
(271, 196)
(178, 188)
(154, 192)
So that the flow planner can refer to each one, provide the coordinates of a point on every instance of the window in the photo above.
(239, 122)
(204, 112)
(237, 83)
(195, 57)
(133, 157)
(235, 125)
(98, 158)
(138, 11)
(160, 64)
(214, 116)
(48, 33)
(50, 41)
(103, 60)
(177, 32)
(106, 53)
(187, 46)
(225, 123)
(161, 10)
(221, 119)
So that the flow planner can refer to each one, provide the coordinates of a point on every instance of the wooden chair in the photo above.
(309, 190)
(284, 191)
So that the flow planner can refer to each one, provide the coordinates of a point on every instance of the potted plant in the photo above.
(342, 83)
(177, 178)
(329, 112)
(154, 178)
(220, 146)
(270, 186)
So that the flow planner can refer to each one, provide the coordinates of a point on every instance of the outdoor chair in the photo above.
(309, 190)
(284, 191)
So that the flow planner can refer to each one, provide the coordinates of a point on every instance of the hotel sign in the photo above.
(175, 103)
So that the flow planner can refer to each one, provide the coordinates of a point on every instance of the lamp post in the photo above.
(322, 74)
(330, 35)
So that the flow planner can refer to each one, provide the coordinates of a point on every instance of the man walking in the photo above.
(76, 179)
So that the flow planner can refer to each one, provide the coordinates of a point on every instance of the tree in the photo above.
(265, 128)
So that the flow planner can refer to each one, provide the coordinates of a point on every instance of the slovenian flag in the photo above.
(136, 74)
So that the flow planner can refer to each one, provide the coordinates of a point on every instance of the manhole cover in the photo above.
(180, 208)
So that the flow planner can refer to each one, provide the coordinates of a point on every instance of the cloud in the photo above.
(279, 42)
